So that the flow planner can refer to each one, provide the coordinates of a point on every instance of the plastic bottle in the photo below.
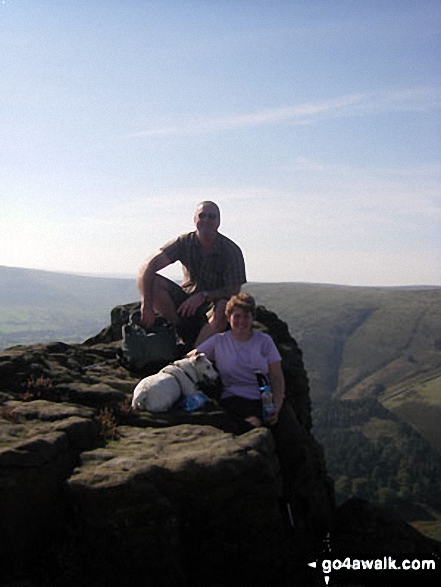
(268, 409)
(193, 402)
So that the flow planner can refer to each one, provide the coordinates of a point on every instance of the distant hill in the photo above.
(42, 306)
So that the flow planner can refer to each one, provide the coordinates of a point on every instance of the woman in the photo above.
(238, 354)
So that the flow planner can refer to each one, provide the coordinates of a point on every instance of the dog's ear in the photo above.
(199, 356)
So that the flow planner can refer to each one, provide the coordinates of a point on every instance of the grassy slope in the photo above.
(418, 401)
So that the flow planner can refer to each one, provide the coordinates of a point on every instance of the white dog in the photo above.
(157, 393)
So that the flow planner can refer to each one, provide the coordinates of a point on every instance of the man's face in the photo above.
(206, 220)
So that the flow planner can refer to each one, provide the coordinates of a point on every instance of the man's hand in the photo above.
(147, 316)
(189, 307)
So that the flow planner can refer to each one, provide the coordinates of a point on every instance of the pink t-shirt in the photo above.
(237, 361)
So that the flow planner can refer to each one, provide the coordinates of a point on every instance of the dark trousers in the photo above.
(291, 446)
(290, 438)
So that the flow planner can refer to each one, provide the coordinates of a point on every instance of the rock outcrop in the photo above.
(188, 504)
(94, 493)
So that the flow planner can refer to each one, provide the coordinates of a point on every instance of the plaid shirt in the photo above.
(224, 265)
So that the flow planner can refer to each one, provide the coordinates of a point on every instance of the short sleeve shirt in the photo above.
(237, 362)
(224, 265)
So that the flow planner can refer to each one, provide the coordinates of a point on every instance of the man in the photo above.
(213, 268)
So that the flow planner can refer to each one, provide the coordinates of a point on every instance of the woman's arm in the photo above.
(277, 382)
(208, 348)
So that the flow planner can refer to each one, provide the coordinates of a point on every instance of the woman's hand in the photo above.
(277, 383)
(273, 420)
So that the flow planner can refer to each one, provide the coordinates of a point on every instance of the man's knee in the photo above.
(166, 290)
(160, 284)
(218, 319)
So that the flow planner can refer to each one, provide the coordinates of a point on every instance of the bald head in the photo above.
(209, 204)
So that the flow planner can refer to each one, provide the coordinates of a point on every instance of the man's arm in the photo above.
(145, 285)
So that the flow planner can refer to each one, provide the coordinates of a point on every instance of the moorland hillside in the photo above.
(361, 342)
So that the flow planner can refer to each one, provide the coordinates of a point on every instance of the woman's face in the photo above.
(240, 320)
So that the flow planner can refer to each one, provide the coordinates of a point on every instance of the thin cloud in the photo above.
(362, 104)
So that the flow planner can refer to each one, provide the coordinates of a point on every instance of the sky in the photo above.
(315, 125)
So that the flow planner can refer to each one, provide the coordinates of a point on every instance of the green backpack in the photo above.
(141, 348)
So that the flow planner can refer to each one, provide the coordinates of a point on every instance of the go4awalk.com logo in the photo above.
(390, 570)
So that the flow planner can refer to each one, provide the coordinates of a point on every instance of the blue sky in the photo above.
(315, 125)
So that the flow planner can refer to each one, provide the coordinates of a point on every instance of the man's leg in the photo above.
(217, 322)
(167, 297)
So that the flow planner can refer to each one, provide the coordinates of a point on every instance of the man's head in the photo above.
(207, 219)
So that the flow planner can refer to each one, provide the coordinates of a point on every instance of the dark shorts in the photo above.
(188, 327)
(178, 295)
(241, 407)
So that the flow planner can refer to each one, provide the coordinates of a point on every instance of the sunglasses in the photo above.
(209, 215)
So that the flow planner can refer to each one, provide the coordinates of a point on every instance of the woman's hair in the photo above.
(244, 301)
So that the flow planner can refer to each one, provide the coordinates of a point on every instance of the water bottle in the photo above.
(268, 409)
(194, 402)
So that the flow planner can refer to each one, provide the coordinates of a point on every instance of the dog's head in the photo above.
(204, 368)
